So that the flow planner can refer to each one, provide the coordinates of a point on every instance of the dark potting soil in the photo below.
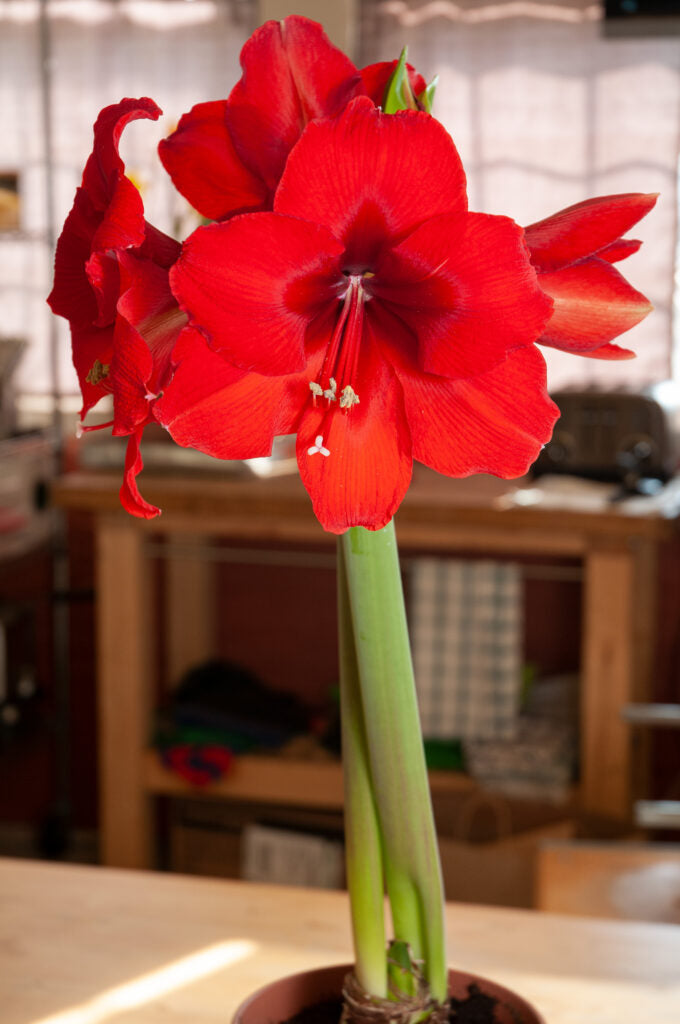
(475, 1008)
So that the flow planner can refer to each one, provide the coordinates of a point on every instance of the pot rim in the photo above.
(511, 998)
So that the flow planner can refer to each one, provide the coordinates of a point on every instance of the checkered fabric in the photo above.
(466, 632)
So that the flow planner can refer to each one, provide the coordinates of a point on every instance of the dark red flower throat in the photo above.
(336, 382)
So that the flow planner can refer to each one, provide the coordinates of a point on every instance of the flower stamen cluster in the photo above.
(342, 356)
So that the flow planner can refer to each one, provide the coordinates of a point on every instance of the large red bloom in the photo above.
(372, 314)
(111, 284)
(227, 156)
(573, 252)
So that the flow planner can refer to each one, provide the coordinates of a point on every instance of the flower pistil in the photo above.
(341, 361)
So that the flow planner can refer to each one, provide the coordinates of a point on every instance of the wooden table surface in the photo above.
(82, 945)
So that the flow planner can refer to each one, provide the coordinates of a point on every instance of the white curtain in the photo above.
(546, 112)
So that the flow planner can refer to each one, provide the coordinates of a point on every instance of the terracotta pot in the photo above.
(282, 999)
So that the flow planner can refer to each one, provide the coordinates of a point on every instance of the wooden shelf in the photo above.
(657, 813)
(277, 780)
(663, 716)
(620, 551)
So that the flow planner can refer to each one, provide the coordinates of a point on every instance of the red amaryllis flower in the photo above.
(111, 284)
(227, 156)
(573, 252)
(372, 314)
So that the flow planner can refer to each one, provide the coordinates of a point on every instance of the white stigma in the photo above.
(318, 447)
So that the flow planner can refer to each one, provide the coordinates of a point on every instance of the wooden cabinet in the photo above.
(619, 552)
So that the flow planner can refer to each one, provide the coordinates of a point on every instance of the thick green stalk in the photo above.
(363, 847)
(397, 763)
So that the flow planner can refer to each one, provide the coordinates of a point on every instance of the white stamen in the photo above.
(318, 446)
(316, 389)
(79, 429)
(150, 397)
(348, 398)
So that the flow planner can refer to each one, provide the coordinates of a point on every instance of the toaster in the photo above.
(610, 436)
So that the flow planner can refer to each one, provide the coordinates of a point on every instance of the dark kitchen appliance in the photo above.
(613, 436)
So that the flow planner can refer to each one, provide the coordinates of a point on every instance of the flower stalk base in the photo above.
(359, 1007)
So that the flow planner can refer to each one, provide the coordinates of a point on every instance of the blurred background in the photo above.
(549, 102)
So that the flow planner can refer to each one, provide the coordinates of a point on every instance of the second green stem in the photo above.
(396, 770)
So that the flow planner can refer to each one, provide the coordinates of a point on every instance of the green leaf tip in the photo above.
(404, 974)
(426, 98)
(399, 95)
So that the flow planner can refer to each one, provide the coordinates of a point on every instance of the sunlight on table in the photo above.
(156, 984)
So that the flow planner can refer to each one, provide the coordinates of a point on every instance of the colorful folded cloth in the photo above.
(198, 764)
(466, 626)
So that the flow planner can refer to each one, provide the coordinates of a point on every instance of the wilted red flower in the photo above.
(372, 314)
(111, 284)
(573, 252)
(227, 156)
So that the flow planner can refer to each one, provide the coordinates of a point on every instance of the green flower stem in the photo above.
(363, 846)
(395, 751)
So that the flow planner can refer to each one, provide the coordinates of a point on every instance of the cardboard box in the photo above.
(499, 872)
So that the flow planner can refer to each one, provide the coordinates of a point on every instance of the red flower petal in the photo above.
(218, 409)
(372, 177)
(291, 74)
(200, 158)
(104, 167)
(131, 369)
(92, 349)
(593, 305)
(130, 498)
(254, 283)
(122, 225)
(609, 352)
(146, 331)
(107, 214)
(582, 230)
(104, 279)
(495, 423)
(148, 305)
(72, 296)
(159, 247)
(364, 479)
(376, 78)
(619, 250)
(466, 289)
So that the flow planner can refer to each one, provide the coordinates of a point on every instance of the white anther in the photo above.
(150, 397)
(318, 446)
(79, 429)
(348, 398)
(316, 389)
